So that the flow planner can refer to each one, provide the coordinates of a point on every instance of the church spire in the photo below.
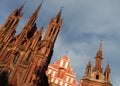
(99, 53)
(10, 25)
(34, 16)
(59, 14)
(13, 18)
(21, 8)
(54, 28)
(99, 59)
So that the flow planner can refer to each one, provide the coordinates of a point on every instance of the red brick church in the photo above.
(24, 58)
(60, 73)
(95, 75)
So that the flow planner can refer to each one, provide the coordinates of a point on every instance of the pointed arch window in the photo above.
(51, 31)
(54, 31)
(97, 76)
(17, 55)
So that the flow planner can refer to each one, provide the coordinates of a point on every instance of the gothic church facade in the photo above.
(24, 58)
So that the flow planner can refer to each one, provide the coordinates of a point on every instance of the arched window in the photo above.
(17, 55)
(97, 76)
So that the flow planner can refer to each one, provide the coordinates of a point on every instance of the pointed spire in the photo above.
(33, 18)
(38, 8)
(59, 14)
(99, 53)
(99, 59)
(21, 7)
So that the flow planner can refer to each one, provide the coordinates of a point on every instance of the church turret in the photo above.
(99, 59)
(107, 73)
(88, 69)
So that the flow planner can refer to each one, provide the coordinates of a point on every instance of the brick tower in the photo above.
(60, 73)
(96, 77)
(24, 58)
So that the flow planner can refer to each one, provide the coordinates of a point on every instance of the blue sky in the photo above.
(85, 23)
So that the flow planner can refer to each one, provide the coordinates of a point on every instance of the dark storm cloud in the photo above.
(85, 23)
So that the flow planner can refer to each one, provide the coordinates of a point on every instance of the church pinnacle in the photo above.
(33, 18)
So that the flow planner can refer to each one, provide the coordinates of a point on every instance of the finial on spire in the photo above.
(38, 8)
(100, 48)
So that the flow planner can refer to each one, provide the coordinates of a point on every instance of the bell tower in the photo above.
(99, 59)
(96, 76)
